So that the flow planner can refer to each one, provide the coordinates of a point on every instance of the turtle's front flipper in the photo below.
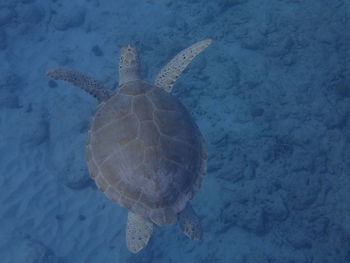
(138, 232)
(90, 85)
(189, 223)
(171, 71)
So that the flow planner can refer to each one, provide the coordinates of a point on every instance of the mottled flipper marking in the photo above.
(138, 232)
(171, 71)
(189, 223)
(78, 79)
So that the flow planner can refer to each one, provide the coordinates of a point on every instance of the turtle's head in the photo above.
(128, 65)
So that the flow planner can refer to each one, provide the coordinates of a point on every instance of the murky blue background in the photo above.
(271, 96)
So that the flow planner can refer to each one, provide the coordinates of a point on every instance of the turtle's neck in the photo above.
(128, 65)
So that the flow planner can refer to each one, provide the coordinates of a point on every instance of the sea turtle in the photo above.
(144, 151)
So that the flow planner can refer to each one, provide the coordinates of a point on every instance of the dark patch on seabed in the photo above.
(271, 96)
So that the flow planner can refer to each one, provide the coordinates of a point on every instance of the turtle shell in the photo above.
(145, 152)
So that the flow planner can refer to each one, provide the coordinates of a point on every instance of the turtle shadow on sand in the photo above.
(144, 151)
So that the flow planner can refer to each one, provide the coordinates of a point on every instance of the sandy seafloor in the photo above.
(271, 96)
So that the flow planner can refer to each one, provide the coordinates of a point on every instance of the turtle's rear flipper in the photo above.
(189, 223)
(78, 79)
(138, 232)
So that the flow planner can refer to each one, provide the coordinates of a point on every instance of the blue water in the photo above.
(271, 96)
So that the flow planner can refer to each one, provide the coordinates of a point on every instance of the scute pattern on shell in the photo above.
(145, 152)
